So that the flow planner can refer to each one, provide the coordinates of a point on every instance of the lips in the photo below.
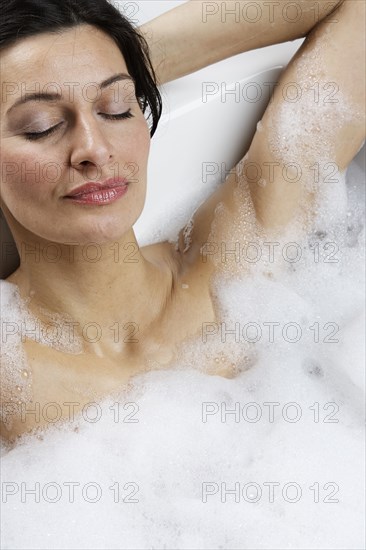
(92, 187)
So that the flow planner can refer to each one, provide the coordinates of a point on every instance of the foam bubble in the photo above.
(16, 377)
(19, 324)
(303, 126)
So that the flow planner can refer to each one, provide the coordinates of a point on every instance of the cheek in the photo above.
(24, 176)
(135, 148)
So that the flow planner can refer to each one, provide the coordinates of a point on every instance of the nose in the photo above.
(89, 146)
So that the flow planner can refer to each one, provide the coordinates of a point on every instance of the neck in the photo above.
(110, 292)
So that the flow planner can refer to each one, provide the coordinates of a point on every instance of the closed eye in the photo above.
(33, 136)
(38, 135)
(120, 116)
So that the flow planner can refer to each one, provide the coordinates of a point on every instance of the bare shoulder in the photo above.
(163, 254)
(191, 299)
(183, 259)
(171, 257)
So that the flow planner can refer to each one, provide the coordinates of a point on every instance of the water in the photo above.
(270, 458)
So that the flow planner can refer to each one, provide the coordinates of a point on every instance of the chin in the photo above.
(105, 231)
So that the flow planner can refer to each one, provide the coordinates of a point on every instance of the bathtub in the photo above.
(195, 457)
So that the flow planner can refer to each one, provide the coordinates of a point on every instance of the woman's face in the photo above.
(85, 145)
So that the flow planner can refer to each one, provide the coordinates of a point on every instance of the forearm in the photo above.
(199, 33)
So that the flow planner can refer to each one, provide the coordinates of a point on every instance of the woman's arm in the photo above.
(313, 125)
(199, 33)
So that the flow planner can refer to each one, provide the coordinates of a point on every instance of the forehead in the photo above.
(83, 53)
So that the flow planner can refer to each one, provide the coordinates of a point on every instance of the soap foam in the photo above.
(314, 110)
(18, 324)
(16, 377)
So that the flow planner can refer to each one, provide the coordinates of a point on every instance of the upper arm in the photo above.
(315, 120)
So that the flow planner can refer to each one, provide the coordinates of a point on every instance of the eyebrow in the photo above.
(39, 96)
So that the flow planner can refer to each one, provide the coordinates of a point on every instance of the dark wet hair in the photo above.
(23, 18)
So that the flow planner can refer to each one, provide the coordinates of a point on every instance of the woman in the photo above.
(76, 82)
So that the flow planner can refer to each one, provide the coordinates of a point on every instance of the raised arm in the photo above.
(313, 126)
(199, 33)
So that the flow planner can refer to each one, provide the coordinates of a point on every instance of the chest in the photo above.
(63, 382)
